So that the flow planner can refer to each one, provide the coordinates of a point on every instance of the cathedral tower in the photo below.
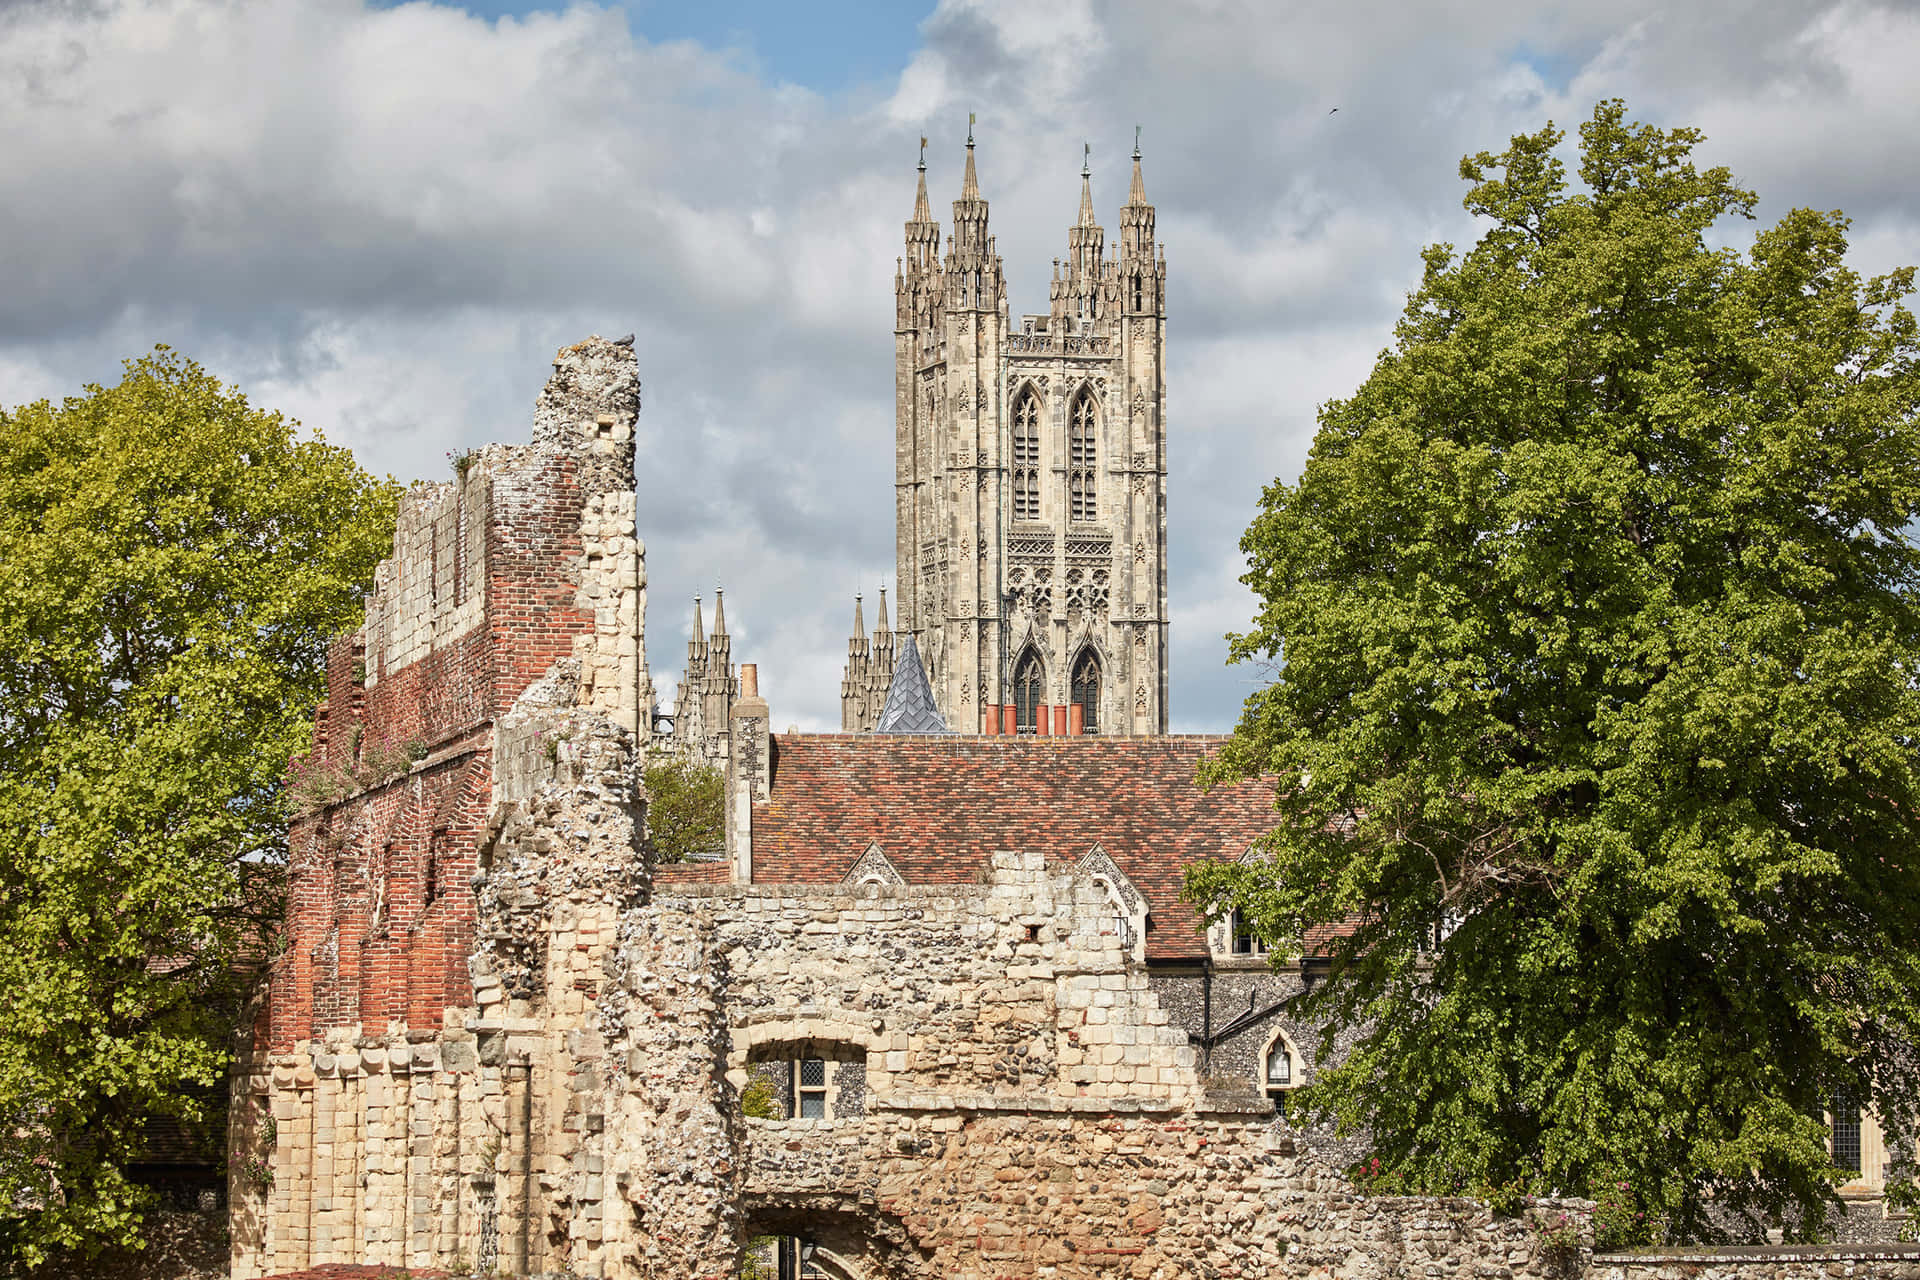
(1030, 474)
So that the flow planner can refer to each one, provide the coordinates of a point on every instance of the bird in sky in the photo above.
(1331, 112)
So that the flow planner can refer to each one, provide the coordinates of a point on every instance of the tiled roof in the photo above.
(910, 706)
(720, 872)
(940, 806)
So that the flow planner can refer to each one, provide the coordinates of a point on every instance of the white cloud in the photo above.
(385, 221)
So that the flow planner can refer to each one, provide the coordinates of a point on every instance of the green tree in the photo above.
(686, 807)
(172, 564)
(1595, 642)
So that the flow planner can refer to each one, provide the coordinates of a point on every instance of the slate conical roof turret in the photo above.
(910, 707)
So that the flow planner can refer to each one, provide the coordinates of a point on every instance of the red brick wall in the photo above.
(380, 915)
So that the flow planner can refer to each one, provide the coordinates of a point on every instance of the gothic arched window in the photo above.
(1026, 456)
(1086, 691)
(1082, 455)
(1029, 692)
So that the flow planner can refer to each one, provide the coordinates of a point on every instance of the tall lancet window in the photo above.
(1086, 690)
(1029, 689)
(1082, 456)
(1026, 456)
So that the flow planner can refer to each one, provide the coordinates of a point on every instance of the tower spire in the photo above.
(970, 181)
(922, 211)
(699, 642)
(1086, 185)
(719, 613)
(1137, 194)
(881, 624)
(859, 623)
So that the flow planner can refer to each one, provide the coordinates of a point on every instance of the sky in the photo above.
(384, 219)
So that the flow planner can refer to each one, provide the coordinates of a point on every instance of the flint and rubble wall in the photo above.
(1786, 1262)
(1026, 1102)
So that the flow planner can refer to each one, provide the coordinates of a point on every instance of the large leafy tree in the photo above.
(1595, 642)
(172, 564)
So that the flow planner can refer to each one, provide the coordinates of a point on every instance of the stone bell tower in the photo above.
(1031, 474)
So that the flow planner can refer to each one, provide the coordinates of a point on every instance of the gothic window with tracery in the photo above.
(1026, 457)
(1029, 690)
(1086, 691)
(1082, 455)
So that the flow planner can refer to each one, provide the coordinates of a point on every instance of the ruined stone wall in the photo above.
(1021, 1102)
(515, 594)
(1886, 1262)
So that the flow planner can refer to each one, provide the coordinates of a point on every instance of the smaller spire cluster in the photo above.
(869, 673)
(708, 686)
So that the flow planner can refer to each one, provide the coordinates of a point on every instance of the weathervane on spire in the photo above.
(1086, 159)
(923, 153)
(1136, 142)
(969, 128)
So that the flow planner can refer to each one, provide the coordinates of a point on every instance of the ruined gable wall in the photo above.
(527, 556)
(522, 566)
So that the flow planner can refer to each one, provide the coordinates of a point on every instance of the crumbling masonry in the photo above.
(500, 1037)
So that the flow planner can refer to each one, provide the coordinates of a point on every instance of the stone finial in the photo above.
(1086, 186)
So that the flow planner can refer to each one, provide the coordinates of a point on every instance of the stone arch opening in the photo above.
(831, 1238)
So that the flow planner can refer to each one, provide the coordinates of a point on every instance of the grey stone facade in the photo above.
(1030, 475)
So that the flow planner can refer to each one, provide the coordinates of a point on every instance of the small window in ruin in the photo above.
(810, 1089)
(1281, 1070)
(1033, 933)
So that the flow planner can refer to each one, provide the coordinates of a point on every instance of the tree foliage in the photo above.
(686, 807)
(173, 562)
(1596, 700)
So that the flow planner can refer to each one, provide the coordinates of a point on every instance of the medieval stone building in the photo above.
(986, 1035)
(1030, 493)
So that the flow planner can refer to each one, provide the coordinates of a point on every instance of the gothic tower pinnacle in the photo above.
(1030, 479)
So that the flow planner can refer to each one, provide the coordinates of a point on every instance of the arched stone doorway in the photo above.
(831, 1237)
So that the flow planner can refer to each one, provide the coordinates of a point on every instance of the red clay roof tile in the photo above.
(939, 806)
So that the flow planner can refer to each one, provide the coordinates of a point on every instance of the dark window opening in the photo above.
(1082, 457)
(1026, 457)
(1245, 941)
(1086, 691)
(1029, 685)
